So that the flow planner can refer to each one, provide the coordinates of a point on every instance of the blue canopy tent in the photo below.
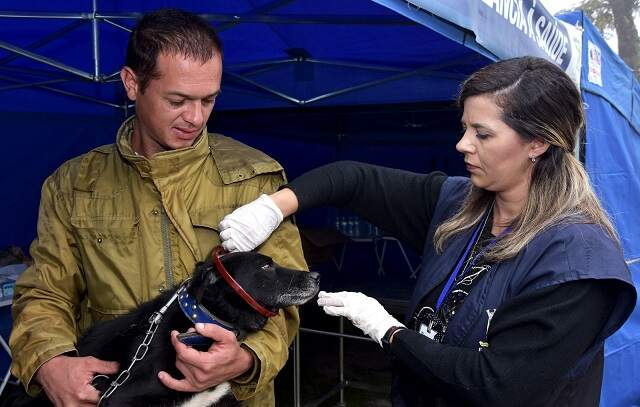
(59, 62)
(612, 157)
(309, 82)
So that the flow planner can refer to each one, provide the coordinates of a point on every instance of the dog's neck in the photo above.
(198, 313)
(222, 301)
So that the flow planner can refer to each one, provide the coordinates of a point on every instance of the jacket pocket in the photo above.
(110, 262)
(107, 231)
(205, 224)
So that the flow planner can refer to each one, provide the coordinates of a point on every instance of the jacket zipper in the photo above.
(166, 248)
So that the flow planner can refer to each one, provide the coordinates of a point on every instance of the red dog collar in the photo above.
(235, 286)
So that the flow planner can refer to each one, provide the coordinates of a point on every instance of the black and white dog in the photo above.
(253, 288)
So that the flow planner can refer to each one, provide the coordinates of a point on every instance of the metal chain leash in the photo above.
(141, 352)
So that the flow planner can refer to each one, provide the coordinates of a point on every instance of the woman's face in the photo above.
(497, 158)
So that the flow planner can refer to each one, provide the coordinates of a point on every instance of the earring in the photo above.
(533, 159)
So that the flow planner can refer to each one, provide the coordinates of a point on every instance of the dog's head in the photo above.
(271, 285)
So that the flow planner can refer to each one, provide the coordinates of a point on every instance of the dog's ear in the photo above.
(203, 276)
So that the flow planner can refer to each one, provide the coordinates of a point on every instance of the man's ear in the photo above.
(130, 82)
(538, 146)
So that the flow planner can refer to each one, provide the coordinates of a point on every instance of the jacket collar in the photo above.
(167, 163)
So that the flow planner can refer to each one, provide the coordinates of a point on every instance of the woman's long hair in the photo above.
(537, 99)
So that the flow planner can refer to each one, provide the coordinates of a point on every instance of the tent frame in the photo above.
(237, 72)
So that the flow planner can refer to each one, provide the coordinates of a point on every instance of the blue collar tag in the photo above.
(197, 313)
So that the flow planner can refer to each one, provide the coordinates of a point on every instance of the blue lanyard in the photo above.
(458, 268)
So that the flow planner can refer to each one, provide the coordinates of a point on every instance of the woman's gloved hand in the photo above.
(364, 312)
(250, 225)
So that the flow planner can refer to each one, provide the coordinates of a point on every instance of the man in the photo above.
(125, 221)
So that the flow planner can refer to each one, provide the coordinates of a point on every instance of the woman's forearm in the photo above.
(399, 202)
(286, 200)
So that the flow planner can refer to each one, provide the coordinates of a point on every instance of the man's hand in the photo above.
(224, 360)
(67, 380)
(364, 312)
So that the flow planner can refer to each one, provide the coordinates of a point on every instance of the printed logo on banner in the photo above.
(511, 28)
(533, 21)
(595, 64)
(558, 41)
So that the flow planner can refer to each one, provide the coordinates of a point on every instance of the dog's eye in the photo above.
(265, 266)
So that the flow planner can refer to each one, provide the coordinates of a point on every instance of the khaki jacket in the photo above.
(115, 229)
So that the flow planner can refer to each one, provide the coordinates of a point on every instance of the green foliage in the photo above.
(618, 16)
(599, 12)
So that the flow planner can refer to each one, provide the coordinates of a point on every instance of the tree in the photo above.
(618, 15)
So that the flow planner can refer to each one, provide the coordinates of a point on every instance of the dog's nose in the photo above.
(315, 276)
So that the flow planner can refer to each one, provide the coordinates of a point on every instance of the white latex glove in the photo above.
(250, 225)
(364, 312)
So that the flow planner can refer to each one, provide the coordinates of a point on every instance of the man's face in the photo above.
(174, 107)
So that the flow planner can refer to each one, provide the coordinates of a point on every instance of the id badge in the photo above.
(427, 331)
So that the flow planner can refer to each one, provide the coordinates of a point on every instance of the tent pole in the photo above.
(44, 60)
(122, 27)
(45, 40)
(430, 69)
(95, 38)
(371, 67)
(265, 9)
(264, 88)
(72, 16)
(63, 92)
(34, 84)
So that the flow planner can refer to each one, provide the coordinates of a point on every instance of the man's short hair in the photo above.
(169, 31)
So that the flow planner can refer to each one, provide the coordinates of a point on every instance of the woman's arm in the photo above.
(399, 202)
(534, 339)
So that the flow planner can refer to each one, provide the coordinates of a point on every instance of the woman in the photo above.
(522, 277)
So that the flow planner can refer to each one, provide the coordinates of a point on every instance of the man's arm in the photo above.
(45, 295)
(45, 306)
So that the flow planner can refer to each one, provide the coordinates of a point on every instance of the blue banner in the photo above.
(512, 28)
